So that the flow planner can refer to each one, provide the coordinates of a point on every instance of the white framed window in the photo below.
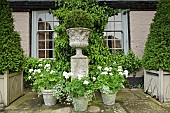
(43, 35)
(116, 33)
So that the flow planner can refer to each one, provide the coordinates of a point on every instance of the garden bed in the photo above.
(157, 84)
(11, 87)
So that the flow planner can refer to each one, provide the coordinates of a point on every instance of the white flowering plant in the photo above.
(110, 79)
(45, 76)
(80, 86)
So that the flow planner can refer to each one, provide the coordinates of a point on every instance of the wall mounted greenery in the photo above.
(11, 53)
(98, 55)
(157, 48)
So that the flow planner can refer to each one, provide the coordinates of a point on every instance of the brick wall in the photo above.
(21, 22)
(139, 28)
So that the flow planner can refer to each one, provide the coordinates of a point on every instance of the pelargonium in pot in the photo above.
(80, 89)
(44, 78)
(109, 81)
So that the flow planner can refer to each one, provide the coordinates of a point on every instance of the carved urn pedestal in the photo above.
(79, 39)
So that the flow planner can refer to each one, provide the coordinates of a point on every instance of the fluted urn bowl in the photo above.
(78, 37)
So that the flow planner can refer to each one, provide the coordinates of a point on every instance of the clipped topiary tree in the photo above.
(11, 53)
(11, 57)
(156, 58)
(157, 48)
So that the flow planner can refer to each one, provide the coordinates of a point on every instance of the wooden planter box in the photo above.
(157, 83)
(11, 87)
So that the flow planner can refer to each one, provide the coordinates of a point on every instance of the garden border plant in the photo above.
(156, 58)
(11, 57)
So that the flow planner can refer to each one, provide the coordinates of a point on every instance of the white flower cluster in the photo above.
(47, 67)
(34, 71)
(79, 76)
(67, 75)
(107, 71)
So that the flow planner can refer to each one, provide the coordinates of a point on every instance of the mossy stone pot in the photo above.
(80, 104)
(49, 99)
(108, 99)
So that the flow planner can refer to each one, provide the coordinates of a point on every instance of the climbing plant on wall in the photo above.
(96, 52)
(157, 48)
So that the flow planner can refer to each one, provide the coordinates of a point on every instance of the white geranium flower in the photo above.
(39, 65)
(79, 76)
(126, 73)
(47, 66)
(94, 78)
(31, 70)
(120, 73)
(86, 82)
(70, 74)
(106, 69)
(40, 60)
(65, 74)
(29, 77)
(52, 71)
(120, 68)
(110, 74)
(104, 73)
(99, 67)
(39, 70)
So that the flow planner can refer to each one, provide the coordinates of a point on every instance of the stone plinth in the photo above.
(79, 65)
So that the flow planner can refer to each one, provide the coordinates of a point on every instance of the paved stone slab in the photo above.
(143, 107)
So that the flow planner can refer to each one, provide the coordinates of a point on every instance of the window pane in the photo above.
(41, 35)
(118, 25)
(118, 17)
(49, 53)
(41, 53)
(49, 35)
(41, 25)
(41, 17)
(49, 45)
(41, 44)
(49, 25)
(49, 17)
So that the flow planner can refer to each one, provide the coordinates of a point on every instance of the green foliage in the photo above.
(96, 52)
(80, 86)
(11, 53)
(157, 48)
(129, 62)
(110, 79)
(78, 18)
(41, 74)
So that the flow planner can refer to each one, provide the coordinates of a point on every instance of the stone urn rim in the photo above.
(77, 28)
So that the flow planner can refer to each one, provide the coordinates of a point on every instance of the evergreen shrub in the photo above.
(11, 53)
(157, 48)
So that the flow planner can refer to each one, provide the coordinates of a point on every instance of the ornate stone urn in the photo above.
(78, 38)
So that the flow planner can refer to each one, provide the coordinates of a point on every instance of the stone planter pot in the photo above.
(11, 87)
(49, 99)
(80, 104)
(108, 99)
(157, 84)
(78, 37)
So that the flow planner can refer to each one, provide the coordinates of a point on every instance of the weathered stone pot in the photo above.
(157, 84)
(78, 37)
(11, 87)
(108, 99)
(80, 104)
(49, 99)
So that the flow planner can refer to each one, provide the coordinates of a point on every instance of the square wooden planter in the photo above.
(11, 87)
(157, 83)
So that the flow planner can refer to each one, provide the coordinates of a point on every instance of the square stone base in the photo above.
(79, 65)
